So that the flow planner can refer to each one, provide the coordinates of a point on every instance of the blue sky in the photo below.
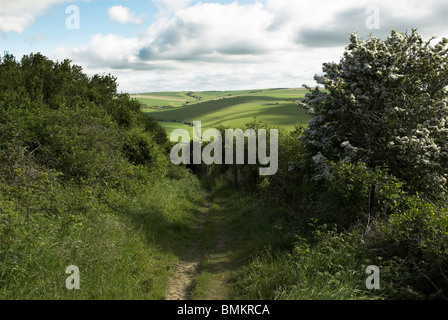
(49, 30)
(163, 45)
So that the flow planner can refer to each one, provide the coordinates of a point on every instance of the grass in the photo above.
(319, 271)
(234, 232)
(277, 107)
(253, 253)
(211, 95)
(166, 94)
(237, 111)
(218, 257)
(171, 126)
(150, 103)
(125, 246)
(163, 99)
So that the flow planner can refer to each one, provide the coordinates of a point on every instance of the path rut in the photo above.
(182, 282)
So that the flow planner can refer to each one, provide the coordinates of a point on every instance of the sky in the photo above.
(183, 45)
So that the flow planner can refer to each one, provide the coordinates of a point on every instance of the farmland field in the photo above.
(162, 99)
(171, 126)
(277, 107)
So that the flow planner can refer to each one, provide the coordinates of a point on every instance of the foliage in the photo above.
(386, 105)
(327, 268)
(371, 165)
(412, 247)
(356, 195)
(84, 180)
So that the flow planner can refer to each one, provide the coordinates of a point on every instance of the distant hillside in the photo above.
(277, 107)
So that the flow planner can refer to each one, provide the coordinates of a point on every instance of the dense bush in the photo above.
(84, 179)
(412, 248)
(372, 166)
(385, 104)
(355, 195)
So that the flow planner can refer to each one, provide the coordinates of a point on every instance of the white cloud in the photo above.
(17, 15)
(210, 31)
(272, 71)
(123, 15)
(276, 43)
(103, 51)
(327, 23)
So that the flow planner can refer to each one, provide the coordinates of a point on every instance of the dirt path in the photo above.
(217, 266)
(205, 270)
(182, 283)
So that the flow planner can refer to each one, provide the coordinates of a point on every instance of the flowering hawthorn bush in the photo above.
(385, 104)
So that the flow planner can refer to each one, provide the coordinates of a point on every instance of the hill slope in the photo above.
(277, 107)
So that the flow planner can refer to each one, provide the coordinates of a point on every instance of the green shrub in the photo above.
(354, 194)
(412, 247)
(83, 181)
(140, 149)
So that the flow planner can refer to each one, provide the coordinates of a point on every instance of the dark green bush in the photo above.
(354, 194)
(412, 248)
(81, 176)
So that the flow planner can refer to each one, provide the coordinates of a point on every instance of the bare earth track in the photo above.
(182, 283)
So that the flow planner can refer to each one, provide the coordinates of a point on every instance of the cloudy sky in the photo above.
(174, 45)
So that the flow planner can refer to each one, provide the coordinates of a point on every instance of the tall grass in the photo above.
(125, 245)
(327, 270)
(275, 261)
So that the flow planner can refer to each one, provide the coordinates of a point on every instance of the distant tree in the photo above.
(385, 104)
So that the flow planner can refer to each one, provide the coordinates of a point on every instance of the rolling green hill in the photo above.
(277, 107)
(164, 99)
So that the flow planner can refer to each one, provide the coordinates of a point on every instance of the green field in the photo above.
(171, 126)
(164, 99)
(277, 107)
(210, 95)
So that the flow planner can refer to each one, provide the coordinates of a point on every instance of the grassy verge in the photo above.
(124, 245)
(235, 231)
(253, 252)
(220, 254)
(326, 270)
